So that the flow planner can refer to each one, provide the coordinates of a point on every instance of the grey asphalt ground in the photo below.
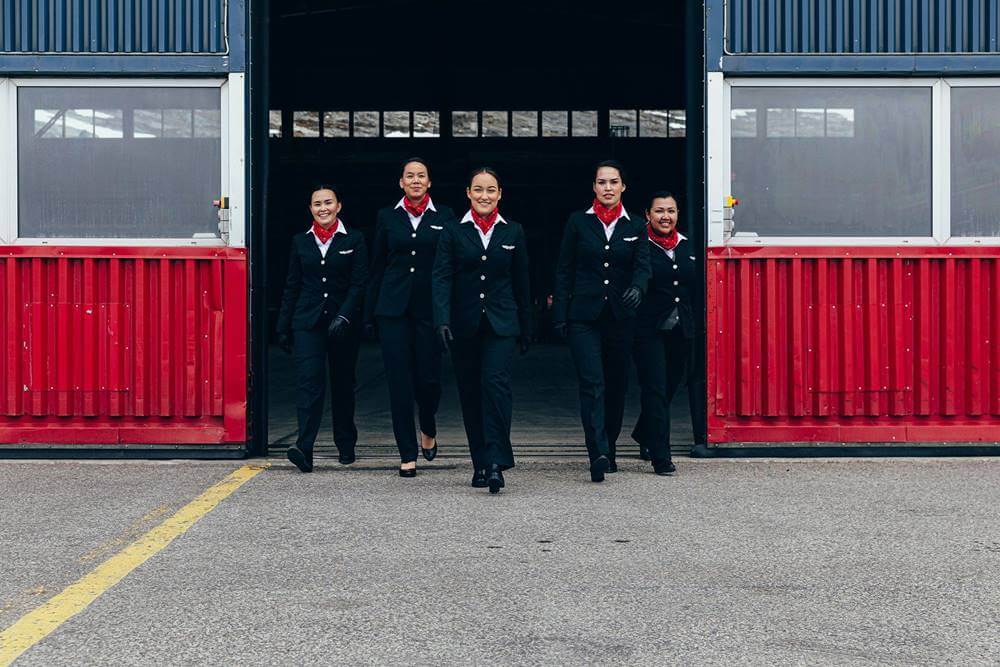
(879, 561)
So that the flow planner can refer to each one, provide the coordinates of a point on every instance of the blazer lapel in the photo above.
(597, 227)
(471, 235)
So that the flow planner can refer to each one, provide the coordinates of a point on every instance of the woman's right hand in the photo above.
(444, 335)
(561, 329)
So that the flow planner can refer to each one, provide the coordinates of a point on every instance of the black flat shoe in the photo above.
(612, 466)
(598, 468)
(429, 454)
(301, 460)
(495, 479)
(664, 467)
(479, 479)
(411, 472)
(347, 458)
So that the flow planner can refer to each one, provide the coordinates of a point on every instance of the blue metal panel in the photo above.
(861, 26)
(113, 26)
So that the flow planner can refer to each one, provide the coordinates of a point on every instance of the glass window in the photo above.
(366, 124)
(653, 123)
(142, 163)
(464, 124)
(872, 178)
(305, 124)
(273, 123)
(524, 123)
(494, 123)
(975, 162)
(336, 124)
(584, 123)
(678, 123)
(555, 124)
(623, 123)
(396, 124)
(426, 124)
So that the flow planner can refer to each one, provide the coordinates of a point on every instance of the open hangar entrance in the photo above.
(538, 92)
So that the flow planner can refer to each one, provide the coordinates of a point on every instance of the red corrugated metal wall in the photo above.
(854, 345)
(123, 345)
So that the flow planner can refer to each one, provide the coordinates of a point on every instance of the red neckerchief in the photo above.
(667, 242)
(605, 214)
(485, 223)
(416, 210)
(325, 234)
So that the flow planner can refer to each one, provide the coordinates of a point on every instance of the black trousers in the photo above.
(317, 356)
(412, 356)
(601, 350)
(665, 361)
(482, 371)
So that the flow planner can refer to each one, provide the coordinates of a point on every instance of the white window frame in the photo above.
(232, 158)
(719, 172)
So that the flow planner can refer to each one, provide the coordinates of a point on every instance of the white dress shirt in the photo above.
(485, 238)
(609, 230)
(323, 247)
(415, 220)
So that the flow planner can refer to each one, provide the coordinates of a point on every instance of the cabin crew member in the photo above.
(666, 334)
(398, 311)
(482, 311)
(319, 323)
(601, 274)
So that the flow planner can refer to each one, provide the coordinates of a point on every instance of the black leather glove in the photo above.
(561, 329)
(444, 335)
(371, 331)
(631, 297)
(338, 327)
(524, 342)
(285, 343)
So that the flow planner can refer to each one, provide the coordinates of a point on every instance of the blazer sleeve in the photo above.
(565, 273)
(520, 274)
(359, 278)
(642, 270)
(293, 286)
(442, 276)
(380, 253)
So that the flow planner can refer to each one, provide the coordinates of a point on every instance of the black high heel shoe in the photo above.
(495, 479)
(598, 468)
(429, 454)
(408, 472)
(479, 479)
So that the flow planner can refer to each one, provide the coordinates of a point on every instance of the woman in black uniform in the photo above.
(601, 275)
(319, 321)
(398, 310)
(482, 310)
(666, 334)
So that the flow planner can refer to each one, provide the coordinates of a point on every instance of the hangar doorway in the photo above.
(540, 92)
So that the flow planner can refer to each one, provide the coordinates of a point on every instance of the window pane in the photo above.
(494, 123)
(875, 182)
(524, 123)
(840, 122)
(584, 123)
(622, 123)
(274, 123)
(555, 124)
(116, 181)
(464, 124)
(975, 162)
(426, 124)
(653, 123)
(678, 123)
(809, 122)
(305, 124)
(397, 124)
(337, 124)
(49, 123)
(366, 124)
(207, 123)
(744, 123)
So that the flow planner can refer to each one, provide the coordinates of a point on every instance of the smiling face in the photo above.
(484, 193)
(608, 186)
(324, 207)
(415, 181)
(662, 215)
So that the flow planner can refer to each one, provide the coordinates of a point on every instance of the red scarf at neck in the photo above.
(605, 214)
(665, 241)
(325, 234)
(416, 210)
(485, 222)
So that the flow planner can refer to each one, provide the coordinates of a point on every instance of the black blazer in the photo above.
(592, 271)
(402, 260)
(469, 281)
(318, 286)
(674, 283)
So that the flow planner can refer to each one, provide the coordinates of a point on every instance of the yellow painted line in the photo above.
(38, 624)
